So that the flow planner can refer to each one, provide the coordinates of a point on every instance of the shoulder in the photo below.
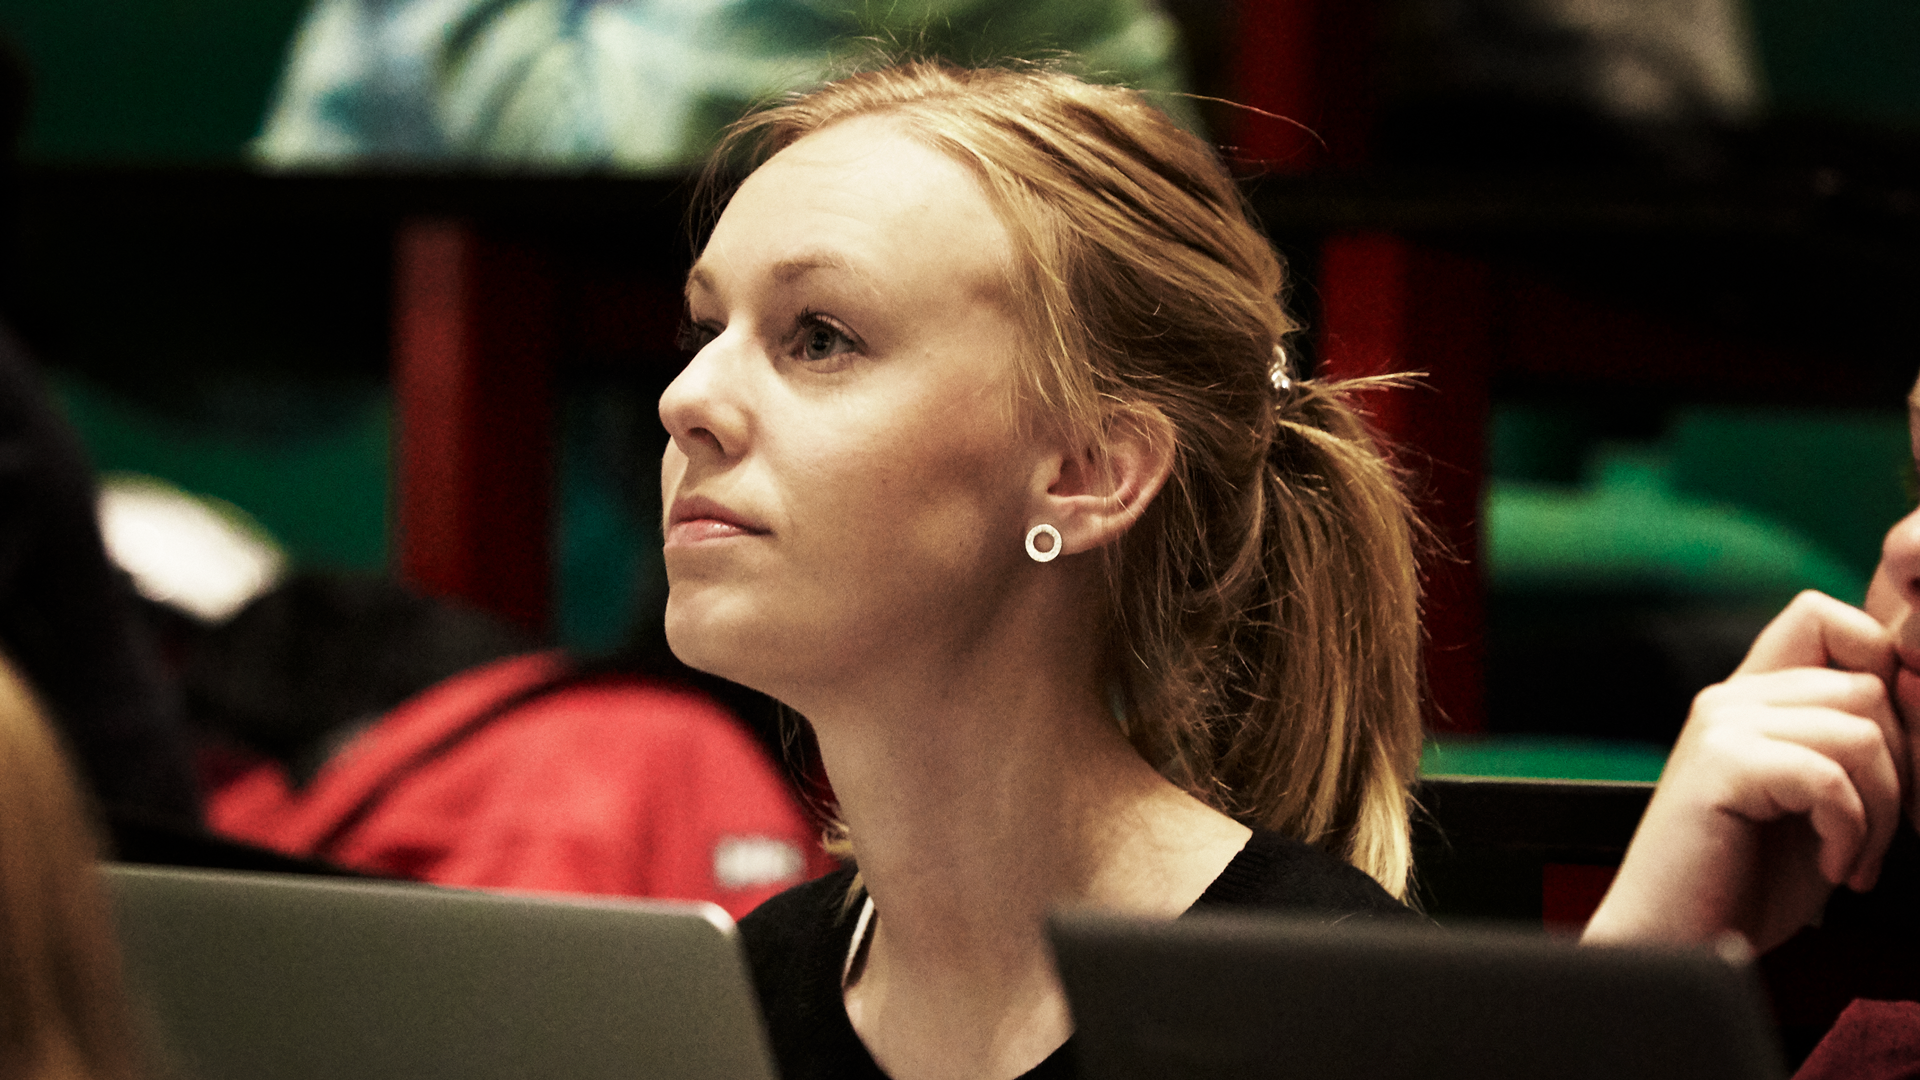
(796, 944)
(1277, 872)
(797, 932)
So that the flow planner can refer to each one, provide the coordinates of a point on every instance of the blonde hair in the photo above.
(65, 1015)
(1264, 612)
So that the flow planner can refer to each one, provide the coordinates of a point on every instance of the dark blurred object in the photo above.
(301, 670)
(16, 105)
(67, 616)
(1544, 852)
(1607, 665)
(133, 837)
(16, 98)
(1491, 84)
(1864, 947)
(1496, 849)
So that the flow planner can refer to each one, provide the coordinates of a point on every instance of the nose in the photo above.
(1894, 594)
(1899, 556)
(702, 409)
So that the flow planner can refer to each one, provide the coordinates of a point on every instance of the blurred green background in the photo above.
(187, 80)
(1737, 506)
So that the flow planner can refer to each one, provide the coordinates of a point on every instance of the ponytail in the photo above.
(1343, 649)
(1281, 684)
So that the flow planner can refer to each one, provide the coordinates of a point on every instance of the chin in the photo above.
(692, 639)
(704, 639)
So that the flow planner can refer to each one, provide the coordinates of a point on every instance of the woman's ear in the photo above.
(1094, 494)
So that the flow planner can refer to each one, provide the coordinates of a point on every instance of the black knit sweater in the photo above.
(797, 945)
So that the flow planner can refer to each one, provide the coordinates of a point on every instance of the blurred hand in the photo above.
(1785, 782)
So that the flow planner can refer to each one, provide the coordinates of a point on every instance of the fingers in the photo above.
(1853, 692)
(1836, 772)
(1906, 691)
(1786, 780)
(1817, 631)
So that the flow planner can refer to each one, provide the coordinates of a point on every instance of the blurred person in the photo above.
(63, 1012)
(1788, 781)
(67, 615)
(348, 719)
(356, 722)
(633, 85)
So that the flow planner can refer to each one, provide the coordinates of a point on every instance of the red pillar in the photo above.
(1309, 63)
(472, 370)
(1389, 305)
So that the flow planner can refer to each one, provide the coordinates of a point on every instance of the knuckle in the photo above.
(1718, 697)
(1860, 738)
(1862, 694)
(1725, 742)
(1831, 785)
(1807, 602)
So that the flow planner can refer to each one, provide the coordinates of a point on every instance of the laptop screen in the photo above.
(261, 975)
(1257, 997)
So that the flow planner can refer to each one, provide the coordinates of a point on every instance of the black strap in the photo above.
(479, 721)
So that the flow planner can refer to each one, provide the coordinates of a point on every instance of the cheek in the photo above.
(1888, 606)
(911, 518)
(1906, 701)
(905, 515)
(963, 486)
(1891, 592)
(1883, 600)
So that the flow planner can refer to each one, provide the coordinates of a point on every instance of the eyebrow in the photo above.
(787, 270)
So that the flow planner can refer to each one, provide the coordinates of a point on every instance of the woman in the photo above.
(989, 463)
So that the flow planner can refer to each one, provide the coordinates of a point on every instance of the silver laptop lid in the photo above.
(1248, 996)
(252, 976)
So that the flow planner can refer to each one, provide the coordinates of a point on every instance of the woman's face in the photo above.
(1894, 596)
(846, 487)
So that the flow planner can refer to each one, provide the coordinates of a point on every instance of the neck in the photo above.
(967, 812)
(980, 798)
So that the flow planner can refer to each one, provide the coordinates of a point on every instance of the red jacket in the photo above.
(1872, 1040)
(508, 776)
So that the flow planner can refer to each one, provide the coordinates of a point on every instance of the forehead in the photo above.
(864, 198)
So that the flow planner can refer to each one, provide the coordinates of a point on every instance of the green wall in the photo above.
(153, 80)
(1858, 59)
(322, 494)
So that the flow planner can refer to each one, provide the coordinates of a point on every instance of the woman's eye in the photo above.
(694, 336)
(821, 340)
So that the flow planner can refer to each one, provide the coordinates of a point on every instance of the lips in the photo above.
(1909, 657)
(695, 519)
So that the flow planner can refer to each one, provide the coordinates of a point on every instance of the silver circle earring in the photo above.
(1035, 533)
